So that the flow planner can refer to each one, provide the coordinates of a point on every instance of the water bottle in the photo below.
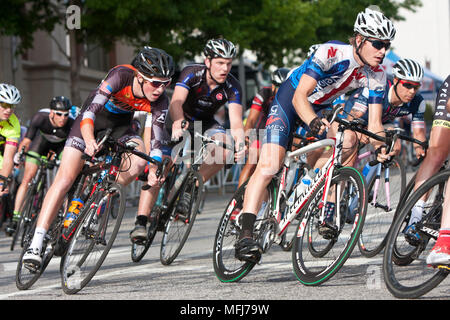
(74, 210)
(261, 211)
(290, 176)
(160, 196)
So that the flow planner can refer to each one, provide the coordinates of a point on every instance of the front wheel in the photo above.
(92, 235)
(331, 249)
(405, 270)
(178, 226)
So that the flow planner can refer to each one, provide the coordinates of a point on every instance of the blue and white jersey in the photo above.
(336, 71)
(359, 102)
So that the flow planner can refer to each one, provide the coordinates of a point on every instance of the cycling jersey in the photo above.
(9, 134)
(336, 71)
(441, 114)
(359, 101)
(262, 102)
(44, 136)
(201, 102)
(112, 105)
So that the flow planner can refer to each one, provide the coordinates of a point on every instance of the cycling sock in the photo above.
(141, 220)
(247, 220)
(38, 238)
(416, 212)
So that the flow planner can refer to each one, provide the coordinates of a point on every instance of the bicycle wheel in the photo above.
(26, 276)
(27, 211)
(414, 278)
(177, 227)
(92, 235)
(226, 267)
(313, 269)
(139, 249)
(381, 207)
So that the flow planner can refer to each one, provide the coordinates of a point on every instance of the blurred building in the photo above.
(44, 71)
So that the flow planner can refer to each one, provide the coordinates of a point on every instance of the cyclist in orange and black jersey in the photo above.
(125, 89)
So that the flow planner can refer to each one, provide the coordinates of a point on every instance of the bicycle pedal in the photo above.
(33, 268)
(444, 267)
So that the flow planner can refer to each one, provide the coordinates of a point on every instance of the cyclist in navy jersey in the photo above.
(256, 120)
(201, 90)
(401, 99)
(333, 70)
(125, 89)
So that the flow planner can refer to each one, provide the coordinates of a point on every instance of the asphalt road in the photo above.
(191, 276)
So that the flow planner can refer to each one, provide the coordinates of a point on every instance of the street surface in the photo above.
(191, 276)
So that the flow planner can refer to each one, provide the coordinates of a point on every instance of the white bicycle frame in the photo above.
(326, 172)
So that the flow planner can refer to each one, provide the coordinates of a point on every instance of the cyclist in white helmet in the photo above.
(401, 99)
(9, 130)
(333, 70)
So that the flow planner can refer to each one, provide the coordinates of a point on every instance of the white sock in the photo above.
(416, 212)
(38, 238)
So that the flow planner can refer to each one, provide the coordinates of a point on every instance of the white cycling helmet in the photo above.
(9, 94)
(371, 23)
(407, 69)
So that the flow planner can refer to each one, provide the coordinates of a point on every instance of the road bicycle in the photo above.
(5, 200)
(182, 178)
(406, 273)
(91, 235)
(37, 188)
(317, 254)
(386, 184)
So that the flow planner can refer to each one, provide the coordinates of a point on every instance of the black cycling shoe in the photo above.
(328, 230)
(248, 249)
(183, 205)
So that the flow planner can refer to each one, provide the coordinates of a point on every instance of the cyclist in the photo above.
(401, 99)
(437, 152)
(9, 136)
(257, 120)
(48, 131)
(201, 90)
(125, 89)
(332, 70)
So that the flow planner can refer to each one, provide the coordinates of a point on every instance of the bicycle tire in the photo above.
(25, 216)
(95, 237)
(226, 267)
(138, 250)
(306, 266)
(379, 217)
(177, 230)
(400, 278)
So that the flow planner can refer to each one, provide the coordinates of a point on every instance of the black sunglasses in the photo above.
(378, 44)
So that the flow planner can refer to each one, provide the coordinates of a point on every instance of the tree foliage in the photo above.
(273, 29)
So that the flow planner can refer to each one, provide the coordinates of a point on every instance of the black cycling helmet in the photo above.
(279, 75)
(219, 48)
(60, 103)
(153, 62)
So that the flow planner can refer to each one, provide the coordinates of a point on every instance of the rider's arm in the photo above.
(176, 110)
(236, 123)
(251, 119)
(375, 124)
(8, 156)
(300, 100)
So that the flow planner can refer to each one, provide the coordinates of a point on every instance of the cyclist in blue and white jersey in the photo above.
(401, 99)
(333, 70)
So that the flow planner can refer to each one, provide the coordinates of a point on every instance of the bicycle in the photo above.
(310, 248)
(5, 200)
(91, 235)
(404, 262)
(34, 197)
(383, 202)
(176, 227)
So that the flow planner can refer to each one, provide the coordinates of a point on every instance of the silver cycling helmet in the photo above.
(408, 69)
(279, 75)
(219, 48)
(374, 24)
(9, 94)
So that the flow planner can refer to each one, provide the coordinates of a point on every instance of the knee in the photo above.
(436, 156)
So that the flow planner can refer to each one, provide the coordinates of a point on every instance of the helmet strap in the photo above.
(359, 48)
(396, 93)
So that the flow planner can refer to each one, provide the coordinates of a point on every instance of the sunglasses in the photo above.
(5, 105)
(378, 44)
(157, 83)
(410, 85)
(61, 114)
